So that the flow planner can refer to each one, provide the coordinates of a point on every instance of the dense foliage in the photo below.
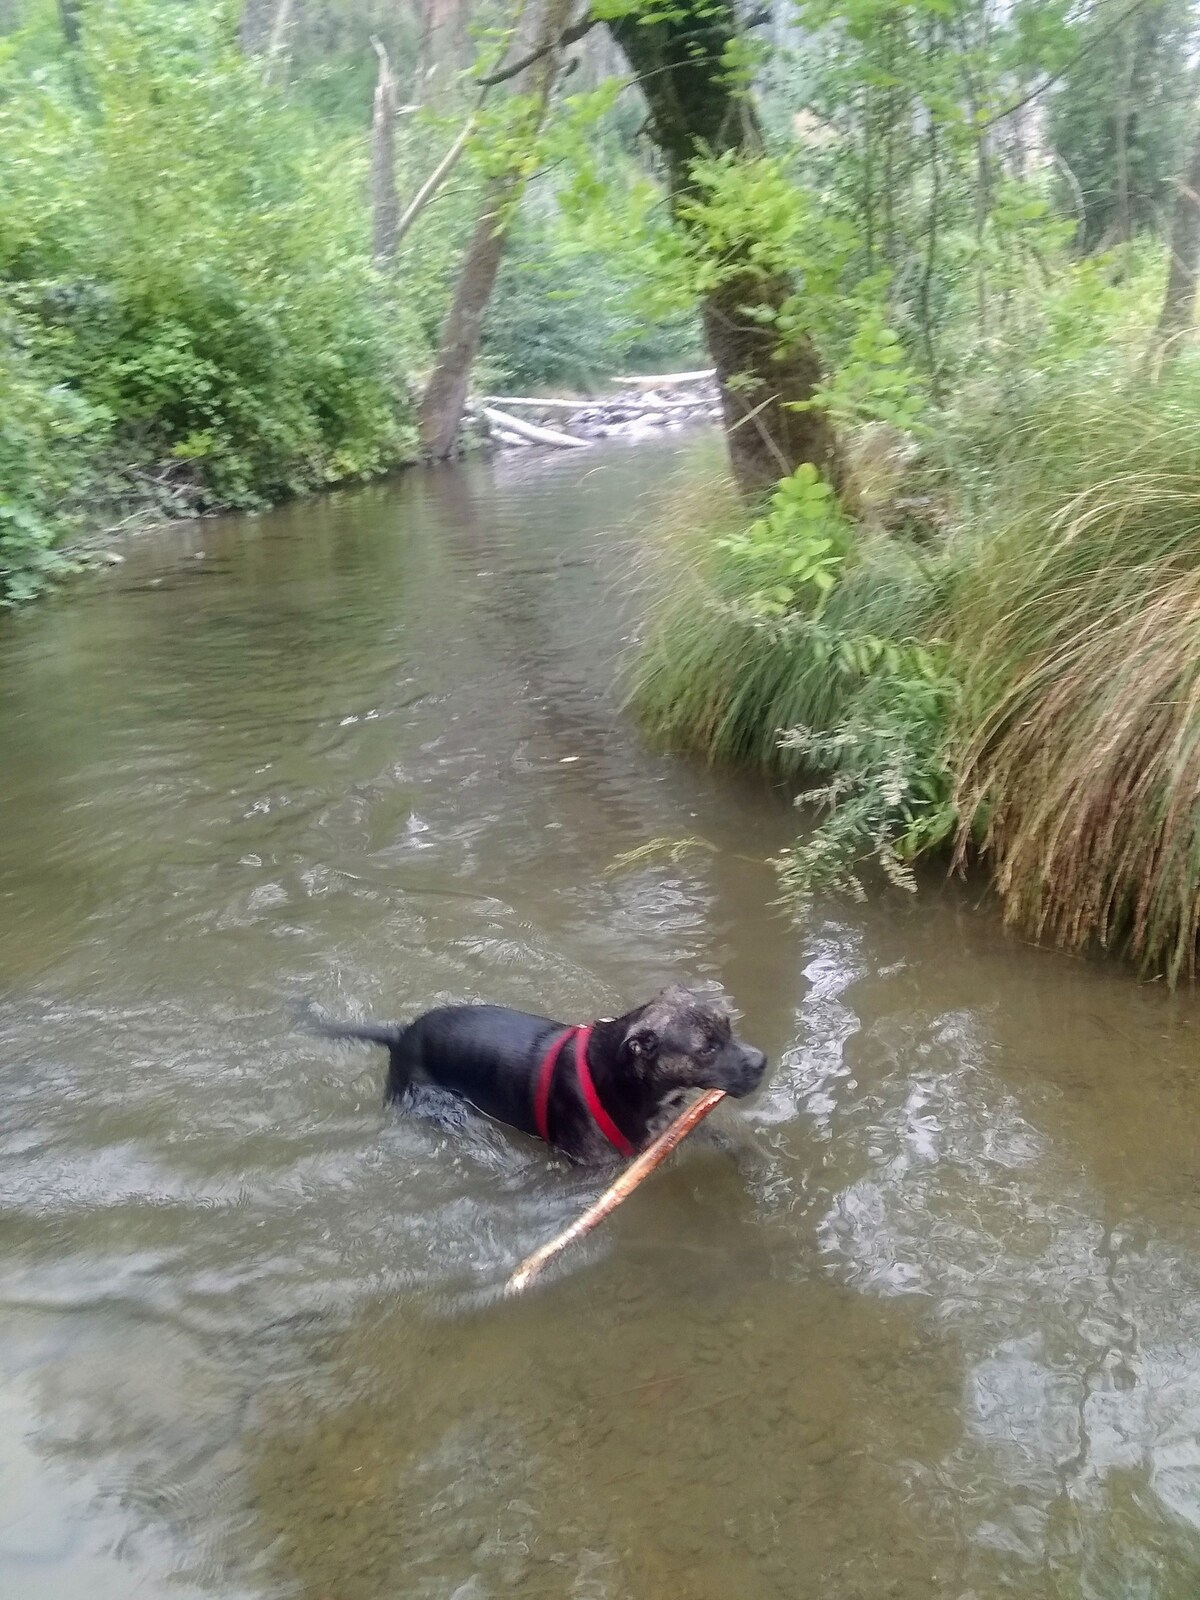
(971, 623)
(1120, 124)
(1000, 658)
(189, 298)
(189, 314)
(990, 645)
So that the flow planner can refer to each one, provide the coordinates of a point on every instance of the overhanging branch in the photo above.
(570, 35)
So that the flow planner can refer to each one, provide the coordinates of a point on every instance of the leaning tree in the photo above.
(685, 59)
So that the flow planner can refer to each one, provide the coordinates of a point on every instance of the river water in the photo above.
(923, 1322)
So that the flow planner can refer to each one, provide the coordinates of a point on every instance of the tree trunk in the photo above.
(696, 107)
(443, 48)
(385, 202)
(767, 439)
(1179, 303)
(445, 396)
(279, 32)
(68, 16)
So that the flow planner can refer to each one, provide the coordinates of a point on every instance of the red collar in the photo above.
(545, 1077)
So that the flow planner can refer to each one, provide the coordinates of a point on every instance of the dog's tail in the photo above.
(315, 1019)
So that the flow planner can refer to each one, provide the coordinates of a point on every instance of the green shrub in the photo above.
(806, 647)
(191, 264)
(1028, 688)
(47, 435)
(565, 317)
(743, 647)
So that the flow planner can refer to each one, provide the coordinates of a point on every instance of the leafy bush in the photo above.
(1028, 688)
(805, 646)
(563, 315)
(798, 546)
(46, 435)
(888, 797)
(191, 265)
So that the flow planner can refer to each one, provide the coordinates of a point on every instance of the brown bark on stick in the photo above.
(634, 1174)
(1178, 316)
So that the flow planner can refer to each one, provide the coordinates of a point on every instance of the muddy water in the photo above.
(924, 1322)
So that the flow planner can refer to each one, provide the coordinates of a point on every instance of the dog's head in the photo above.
(683, 1040)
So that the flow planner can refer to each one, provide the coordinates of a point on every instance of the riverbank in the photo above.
(1011, 675)
(251, 1342)
(632, 413)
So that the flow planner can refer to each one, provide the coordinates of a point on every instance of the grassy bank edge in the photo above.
(1011, 678)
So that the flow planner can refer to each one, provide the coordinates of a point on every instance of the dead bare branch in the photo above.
(570, 35)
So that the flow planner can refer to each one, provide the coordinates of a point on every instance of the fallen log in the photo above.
(667, 379)
(599, 403)
(527, 430)
(696, 403)
(635, 1173)
(528, 403)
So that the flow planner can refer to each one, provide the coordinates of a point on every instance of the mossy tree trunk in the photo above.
(72, 22)
(697, 107)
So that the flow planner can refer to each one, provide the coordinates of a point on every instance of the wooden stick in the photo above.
(620, 1189)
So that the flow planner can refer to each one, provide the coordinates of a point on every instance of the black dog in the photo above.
(594, 1092)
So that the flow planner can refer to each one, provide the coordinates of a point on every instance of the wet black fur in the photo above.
(640, 1063)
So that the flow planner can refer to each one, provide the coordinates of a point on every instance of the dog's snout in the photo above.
(751, 1066)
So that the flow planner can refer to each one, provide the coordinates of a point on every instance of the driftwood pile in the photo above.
(640, 406)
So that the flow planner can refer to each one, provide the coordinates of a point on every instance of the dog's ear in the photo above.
(642, 1042)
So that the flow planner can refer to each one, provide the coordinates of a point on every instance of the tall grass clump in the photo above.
(770, 628)
(1077, 637)
(806, 646)
(1026, 688)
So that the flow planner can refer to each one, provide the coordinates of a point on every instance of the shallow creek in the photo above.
(924, 1323)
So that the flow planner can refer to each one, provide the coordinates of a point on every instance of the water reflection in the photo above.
(1079, 1459)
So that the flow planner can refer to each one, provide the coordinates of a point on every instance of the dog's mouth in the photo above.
(748, 1076)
